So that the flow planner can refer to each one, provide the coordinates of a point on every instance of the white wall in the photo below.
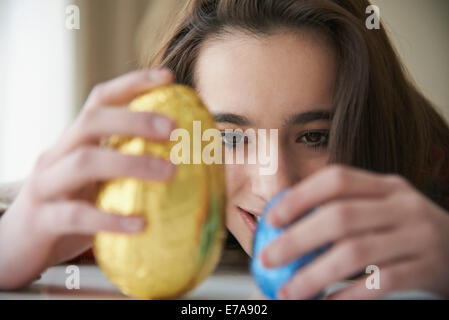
(420, 32)
(36, 74)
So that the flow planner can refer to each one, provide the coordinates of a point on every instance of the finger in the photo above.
(90, 164)
(331, 221)
(68, 250)
(332, 182)
(349, 257)
(92, 126)
(81, 218)
(396, 277)
(123, 89)
(116, 92)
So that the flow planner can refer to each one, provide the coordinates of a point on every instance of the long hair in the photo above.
(381, 122)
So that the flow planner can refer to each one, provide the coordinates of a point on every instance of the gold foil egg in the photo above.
(185, 224)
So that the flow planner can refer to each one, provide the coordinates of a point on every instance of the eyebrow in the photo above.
(295, 119)
(306, 117)
(232, 118)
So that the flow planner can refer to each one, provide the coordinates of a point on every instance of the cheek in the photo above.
(235, 181)
(310, 166)
(305, 166)
(235, 187)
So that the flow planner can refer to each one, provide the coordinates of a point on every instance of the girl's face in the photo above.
(284, 81)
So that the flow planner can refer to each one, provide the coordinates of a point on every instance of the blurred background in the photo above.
(47, 69)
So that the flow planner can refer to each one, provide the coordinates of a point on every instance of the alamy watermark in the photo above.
(372, 282)
(72, 17)
(262, 148)
(373, 20)
(72, 281)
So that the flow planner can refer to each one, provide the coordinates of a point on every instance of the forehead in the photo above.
(279, 74)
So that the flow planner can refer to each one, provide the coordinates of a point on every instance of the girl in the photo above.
(356, 139)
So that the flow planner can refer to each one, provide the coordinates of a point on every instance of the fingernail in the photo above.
(162, 125)
(270, 257)
(281, 214)
(264, 259)
(132, 224)
(157, 74)
(283, 294)
(273, 219)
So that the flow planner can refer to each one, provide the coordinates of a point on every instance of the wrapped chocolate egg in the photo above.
(185, 229)
(271, 280)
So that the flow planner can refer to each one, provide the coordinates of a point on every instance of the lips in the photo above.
(250, 218)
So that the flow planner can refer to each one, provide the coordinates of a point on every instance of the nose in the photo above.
(267, 186)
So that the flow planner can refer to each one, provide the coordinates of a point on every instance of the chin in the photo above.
(248, 249)
(241, 233)
(246, 245)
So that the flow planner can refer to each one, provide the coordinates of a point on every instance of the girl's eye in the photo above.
(232, 139)
(314, 139)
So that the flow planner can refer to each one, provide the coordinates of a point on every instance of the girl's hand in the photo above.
(53, 218)
(372, 219)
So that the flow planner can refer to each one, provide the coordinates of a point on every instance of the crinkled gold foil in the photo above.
(185, 230)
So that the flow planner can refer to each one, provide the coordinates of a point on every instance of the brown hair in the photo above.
(381, 122)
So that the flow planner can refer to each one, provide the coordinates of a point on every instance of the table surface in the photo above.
(226, 283)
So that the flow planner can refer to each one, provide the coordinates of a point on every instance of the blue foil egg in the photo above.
(271, 280)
